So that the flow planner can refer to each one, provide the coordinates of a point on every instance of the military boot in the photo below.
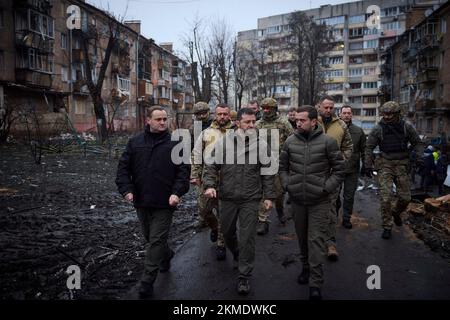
(243, 286)
(262, 228)
(386, 234)
(145, 290)
(397, 220)
(314, 293)
(347, 224)
(221, 253)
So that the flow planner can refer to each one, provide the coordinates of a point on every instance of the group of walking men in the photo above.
(317, 152)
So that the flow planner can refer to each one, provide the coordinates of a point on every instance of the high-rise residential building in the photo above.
(351, 68)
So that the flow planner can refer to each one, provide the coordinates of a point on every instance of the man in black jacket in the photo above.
(311, 169)
(148, 177)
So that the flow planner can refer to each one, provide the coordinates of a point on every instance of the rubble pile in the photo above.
(430, 220)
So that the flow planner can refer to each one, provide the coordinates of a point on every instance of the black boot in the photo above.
(386, 234)
(314, 293)
(221, 253)
(145, 290)
(213, 235)
(347, 224)
(397, 220)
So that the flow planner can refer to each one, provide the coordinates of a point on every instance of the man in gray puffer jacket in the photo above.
(311, 167)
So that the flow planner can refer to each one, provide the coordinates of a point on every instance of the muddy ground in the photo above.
(67, 211)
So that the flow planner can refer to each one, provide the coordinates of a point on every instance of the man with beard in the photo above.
(240, 180)
(208, 207)
(337, 129)
(311, 168)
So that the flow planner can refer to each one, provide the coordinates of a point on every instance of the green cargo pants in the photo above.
(155, 224)
(350, 185)
(311, 226)
(247, 213)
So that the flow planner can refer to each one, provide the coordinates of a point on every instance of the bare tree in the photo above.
(200, 60)
(93, 38)
(221, 53)
(9, 114)
(244, 72)
(308, 44)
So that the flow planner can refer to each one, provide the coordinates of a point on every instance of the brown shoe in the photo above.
(332, 253)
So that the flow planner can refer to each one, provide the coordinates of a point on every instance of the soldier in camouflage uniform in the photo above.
(271, 120)
(337, 129)
(201, 113)
(392, 135)
(208, 207)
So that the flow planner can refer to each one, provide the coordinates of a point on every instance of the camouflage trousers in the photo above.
(263, 213)
(393, 171)
(206, 208)
(332, 217)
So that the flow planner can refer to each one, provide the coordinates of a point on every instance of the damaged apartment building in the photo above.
(44, 66)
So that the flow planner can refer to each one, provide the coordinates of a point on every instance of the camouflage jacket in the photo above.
(280, 123)
(375, 137)
(337, 129)
(208, 138)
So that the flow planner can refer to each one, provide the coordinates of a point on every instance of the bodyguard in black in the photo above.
(148, 177)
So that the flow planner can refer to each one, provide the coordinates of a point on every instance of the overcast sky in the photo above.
(167, 20)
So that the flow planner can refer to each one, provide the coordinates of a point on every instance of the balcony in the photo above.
(430, 74)
(33, 78)
(79, 86)
(123, 86)
(429, 42)
(163, 101)
(162, 83)
(177, 87)
(425, 105)
(77, 55)
(145, 88)
(409, 54)
(30, 39)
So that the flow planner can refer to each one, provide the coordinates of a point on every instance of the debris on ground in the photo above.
(430, 220)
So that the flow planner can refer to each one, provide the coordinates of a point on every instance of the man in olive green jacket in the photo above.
(337, 129)
(311, 168)
(241, 179)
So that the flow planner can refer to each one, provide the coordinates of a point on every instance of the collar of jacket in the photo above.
(314, 133)
(333, 119)
(155, 135)
(215, 125)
